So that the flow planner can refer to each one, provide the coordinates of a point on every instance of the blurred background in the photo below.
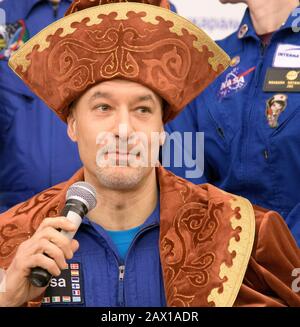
(216, 19)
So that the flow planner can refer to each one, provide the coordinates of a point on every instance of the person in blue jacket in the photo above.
(250, 115)
(35, 151)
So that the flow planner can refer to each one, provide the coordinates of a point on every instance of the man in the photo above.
(37, 154)
(35, 151)
(153, 239)
(244, 151)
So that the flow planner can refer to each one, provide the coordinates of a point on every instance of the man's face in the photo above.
(117, 125)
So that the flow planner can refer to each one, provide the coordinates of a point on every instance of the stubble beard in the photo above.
(120, 178)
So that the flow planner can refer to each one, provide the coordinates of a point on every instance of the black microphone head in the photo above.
(83, 192)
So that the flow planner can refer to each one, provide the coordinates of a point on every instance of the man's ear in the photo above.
(72, 127)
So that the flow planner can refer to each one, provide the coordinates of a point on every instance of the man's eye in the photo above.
(144, 110)
(102, 107)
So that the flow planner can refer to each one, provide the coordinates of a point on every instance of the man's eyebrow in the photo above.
(145, 98)
(106, 95)
(99, 94)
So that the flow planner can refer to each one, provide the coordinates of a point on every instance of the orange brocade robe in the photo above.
(216, 249)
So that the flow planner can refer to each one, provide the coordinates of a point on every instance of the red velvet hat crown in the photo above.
(99, 40)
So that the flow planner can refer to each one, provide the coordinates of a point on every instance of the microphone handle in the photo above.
(40, 277)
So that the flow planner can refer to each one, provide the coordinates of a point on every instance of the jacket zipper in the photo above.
(121, 296)
(121, 286)
(262, 52)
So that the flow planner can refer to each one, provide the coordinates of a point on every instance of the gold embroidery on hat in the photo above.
(151, 14)
(119, 47)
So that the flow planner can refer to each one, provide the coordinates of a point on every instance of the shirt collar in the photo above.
(246, 21)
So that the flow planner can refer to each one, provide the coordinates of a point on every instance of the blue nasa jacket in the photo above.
(35, 151)
(251, 136)
(123, 282)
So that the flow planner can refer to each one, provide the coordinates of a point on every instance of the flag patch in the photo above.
(65, 289)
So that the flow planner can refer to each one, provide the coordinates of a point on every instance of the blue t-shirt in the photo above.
(123, 239)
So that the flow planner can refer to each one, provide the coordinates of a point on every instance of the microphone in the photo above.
(80, 199)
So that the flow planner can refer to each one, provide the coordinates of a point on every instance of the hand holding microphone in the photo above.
(44, 254)
(81, 198)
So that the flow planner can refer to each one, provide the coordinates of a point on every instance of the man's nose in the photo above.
(123, 125)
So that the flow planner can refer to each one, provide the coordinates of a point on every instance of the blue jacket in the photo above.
(98, 260)
(243, 153)
(35, 151)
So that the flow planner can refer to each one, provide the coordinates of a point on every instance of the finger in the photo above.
(53, 252)
(57, 223)
(42, 261)
(74, 245)
(58, 239)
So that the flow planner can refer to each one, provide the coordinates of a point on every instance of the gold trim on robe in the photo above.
(243, 248)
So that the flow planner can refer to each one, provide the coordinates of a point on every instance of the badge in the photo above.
(65, 288)
(282, 80)
(243, 31)
(287, 56)
(234, 82)
(275, 106)
(12, 37)
(235, 61)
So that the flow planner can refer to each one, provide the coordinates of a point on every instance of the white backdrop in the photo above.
(216, 19)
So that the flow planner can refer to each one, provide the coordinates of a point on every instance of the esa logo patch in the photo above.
(12, 37)
(66, 288)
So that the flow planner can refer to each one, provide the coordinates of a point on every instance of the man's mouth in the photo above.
(121, 156)
(121, 153)
(129, 156)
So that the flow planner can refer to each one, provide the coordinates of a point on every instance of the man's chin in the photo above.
(120, 177)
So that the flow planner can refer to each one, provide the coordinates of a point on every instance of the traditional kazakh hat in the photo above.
(99, 40)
